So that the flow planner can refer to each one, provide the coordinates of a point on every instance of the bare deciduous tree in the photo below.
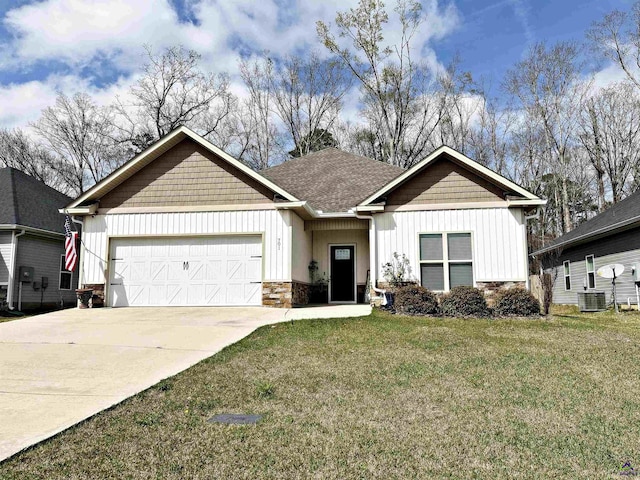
(610, 134)
(397, 91)
(260, 138)
(308, 93)
(617, 38)
(171, 92)
(550, 88)
(79, 134)
(19, 151)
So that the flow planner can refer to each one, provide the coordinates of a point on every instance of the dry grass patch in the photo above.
(379, 397)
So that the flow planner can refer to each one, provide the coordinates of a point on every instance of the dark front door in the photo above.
(343, 274)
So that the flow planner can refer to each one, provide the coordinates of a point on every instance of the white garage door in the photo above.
(186, 271)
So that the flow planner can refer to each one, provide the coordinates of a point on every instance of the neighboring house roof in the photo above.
(622, 215)
(154, 151)
(332, 180)
(527, 197)
(27, 202)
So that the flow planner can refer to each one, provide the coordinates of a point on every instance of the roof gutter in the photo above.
(578, 239)
(38, 231)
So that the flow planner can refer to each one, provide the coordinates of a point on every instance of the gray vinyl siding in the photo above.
(621, 248)
(5, 256)
(43, 254)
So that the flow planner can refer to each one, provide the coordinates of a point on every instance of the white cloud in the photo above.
(83, 36)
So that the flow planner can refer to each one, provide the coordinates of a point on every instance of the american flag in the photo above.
(70, 240)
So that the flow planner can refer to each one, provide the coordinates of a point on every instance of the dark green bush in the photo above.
(416, 300)
(464, 302)
(516, 302)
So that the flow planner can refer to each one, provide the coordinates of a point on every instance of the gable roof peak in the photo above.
(154, 151)
(467, 163)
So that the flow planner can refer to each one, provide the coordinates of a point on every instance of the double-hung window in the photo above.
(65, 276)
(591, 271)
(446, 260)
(567, 275)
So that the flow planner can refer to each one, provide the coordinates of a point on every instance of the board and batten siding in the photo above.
(301, 241)
(498, 237)
(621, 248)
(322, 239)
(43, 254)
(5, 256)
(275, 226)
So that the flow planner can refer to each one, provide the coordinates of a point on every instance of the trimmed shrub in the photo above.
(516, 302)
(464, 302)
(416, 300)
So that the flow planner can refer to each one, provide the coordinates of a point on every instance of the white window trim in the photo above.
(565, 275)
(445, 258)
(63, 270)
(586, 264)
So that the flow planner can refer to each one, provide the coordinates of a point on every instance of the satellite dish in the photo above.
(611, 271)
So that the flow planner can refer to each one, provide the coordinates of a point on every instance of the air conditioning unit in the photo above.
(635, 271)
(592, 301)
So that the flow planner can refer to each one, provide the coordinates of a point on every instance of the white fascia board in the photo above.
(526, 203)
(185, 132)
(87, 210)
(308, 209)
(474, 166)
(370, 208)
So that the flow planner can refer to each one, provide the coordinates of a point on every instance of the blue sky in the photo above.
(96, 46)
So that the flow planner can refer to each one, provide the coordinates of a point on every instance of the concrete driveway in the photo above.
(60, 368)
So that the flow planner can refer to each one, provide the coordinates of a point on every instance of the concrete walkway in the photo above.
(60, 368)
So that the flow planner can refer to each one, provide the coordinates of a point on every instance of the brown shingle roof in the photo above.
(332, 180)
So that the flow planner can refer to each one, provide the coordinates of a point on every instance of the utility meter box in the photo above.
(45, 282)
(636, 272)
(25, 274)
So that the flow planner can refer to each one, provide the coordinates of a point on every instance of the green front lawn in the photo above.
(379, 397)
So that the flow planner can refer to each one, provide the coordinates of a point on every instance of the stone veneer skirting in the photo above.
(490, 288)
(284, 294)
(97, 300)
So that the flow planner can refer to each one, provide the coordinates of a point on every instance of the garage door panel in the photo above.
(214, 294)
(254, 269)
(252, 293)
(196, 270)
(186, 271)
(159, 271)
(214, 270)
(137, 294)
(176, 295)
(158, 295)
(138, 271)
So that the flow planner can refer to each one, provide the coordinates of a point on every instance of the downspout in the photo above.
(373, 271)
(535, 215)
(12, 268)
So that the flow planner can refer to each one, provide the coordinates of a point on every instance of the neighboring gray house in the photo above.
(610, 237)
(32, 235)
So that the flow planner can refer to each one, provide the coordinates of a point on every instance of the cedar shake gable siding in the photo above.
(444, 181)
(187, 175)
(332, 180)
